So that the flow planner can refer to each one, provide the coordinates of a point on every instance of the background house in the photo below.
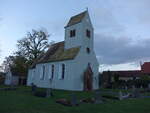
(11, 79)
(110, 77)
(14, 78)
(145, 68)
(2, 77)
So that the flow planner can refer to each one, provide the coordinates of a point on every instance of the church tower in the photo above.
(79, 32)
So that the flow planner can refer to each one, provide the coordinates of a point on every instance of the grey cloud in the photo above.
(111, 50)
(105, 20)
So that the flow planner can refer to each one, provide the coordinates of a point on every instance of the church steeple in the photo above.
(79, 31)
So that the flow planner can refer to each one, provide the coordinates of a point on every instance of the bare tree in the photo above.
(35, 43)
(8, 61)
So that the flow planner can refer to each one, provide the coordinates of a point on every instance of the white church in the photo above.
(70, 64)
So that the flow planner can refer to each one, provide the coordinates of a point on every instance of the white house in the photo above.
(71, 64)
(11, 79)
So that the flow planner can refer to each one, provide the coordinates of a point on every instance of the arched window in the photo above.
(43, 74)
(52, 70)
(32, 74)
(63, 71)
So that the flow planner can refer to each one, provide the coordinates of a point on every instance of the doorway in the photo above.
(88, 79)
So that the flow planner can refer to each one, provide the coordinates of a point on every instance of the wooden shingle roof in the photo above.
(57, 52)
(76, 19)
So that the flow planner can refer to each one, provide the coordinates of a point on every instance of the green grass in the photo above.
(21, 101)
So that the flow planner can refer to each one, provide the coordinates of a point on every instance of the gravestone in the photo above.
(149, 86)
(120, 95)
(135, 93)
(49, 92)
(98, 97)
(12, 85)
(74, 99)
(33, 88)
(133, 87)
(126, 88)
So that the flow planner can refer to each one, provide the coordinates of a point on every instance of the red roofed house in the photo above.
(127, 75)
(109, 76)
(145, 68)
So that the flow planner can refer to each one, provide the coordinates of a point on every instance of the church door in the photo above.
(88, 79)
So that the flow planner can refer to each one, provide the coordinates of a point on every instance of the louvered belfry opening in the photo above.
(88, 79)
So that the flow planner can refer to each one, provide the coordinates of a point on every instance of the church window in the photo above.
(88, 50)
(73, 33)
(63, 71)
(32, 73)
(43, 74)
(52, 71)
(88, 33)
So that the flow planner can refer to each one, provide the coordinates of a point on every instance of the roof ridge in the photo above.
(79, 14)
(76, 18)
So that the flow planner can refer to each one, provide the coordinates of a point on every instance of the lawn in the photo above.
(22, 101)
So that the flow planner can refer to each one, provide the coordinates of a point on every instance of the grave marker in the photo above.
(33, 88)
(98, 97)
(149, 86)
(74, 99)
(48, 92)
(120, 95)
(135, 93)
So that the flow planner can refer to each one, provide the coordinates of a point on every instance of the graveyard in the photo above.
(74, 56)
(21, 99)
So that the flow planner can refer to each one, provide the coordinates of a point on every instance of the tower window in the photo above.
(52, 72)
(88, 33)
(88, 50)
(63, 71)
(89, 64)
(73, 33)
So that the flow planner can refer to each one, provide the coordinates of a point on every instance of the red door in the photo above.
(88, 79)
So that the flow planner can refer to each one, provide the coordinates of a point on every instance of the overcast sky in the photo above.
(122, 36)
